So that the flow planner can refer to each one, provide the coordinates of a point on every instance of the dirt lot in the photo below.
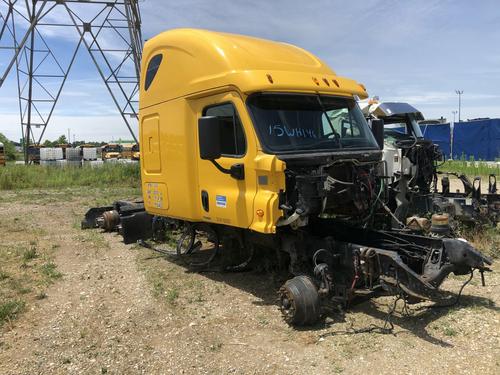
(86, 303)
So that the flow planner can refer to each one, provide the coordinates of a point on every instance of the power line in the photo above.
(110, 31)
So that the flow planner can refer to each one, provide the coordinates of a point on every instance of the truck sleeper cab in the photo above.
(260, 92)
(262, 142)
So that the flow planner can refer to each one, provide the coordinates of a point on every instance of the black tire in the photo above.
(299, 301)
(159, 229)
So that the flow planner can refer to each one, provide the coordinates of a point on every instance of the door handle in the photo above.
(204, 200)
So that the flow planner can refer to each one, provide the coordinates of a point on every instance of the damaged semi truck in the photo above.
(412, 163)
(260, 146)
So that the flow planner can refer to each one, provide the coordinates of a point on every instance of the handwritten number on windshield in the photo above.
(282, 130)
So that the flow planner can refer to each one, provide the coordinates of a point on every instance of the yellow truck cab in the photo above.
(260, 147)
(127, 150)
(253, 106)
(136, 153)
(2, 155)
(111, 151)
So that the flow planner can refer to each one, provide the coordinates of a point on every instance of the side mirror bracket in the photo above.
(237, 171)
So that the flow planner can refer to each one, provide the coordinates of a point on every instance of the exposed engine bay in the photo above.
(339, 221)
(345, 189)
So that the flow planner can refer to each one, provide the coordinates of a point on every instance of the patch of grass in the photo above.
(50, 270)
(449, 331)
(171, 295)
(3, 275)
(158, 288)
(83, 333)
(262, 320)
(10, 309)
(470, 167)
(14, 177)
(485, 239)
(30, 254)
(215, 347)
(337, 369)
(17, 284)
(95, 238)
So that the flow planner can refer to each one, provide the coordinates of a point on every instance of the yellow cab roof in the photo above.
(196, 61)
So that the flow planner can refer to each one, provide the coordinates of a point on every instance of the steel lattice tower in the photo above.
(109, 30)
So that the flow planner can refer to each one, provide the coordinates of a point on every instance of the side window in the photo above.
(152, 69)
(232, 136)
(343, 122)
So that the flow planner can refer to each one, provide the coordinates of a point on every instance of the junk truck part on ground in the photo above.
(261, 146)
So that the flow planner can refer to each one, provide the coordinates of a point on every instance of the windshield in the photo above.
(293, 122)
(404, 124)
(113, 148)
(415, 127)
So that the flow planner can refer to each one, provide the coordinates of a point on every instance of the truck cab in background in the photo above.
(127, 150)
(406, 153)
(136, 152)
(34, 153)
(2, 155)
(411, 164)
(111, 151)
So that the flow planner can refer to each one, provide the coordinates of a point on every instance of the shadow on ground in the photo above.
(415, 320)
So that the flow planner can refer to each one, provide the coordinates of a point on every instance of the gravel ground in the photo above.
(121, 309)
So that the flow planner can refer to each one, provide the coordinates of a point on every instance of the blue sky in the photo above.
(418, 52)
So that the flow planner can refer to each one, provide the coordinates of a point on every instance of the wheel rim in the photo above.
(299, 301)
(185, 243)
(287, 305)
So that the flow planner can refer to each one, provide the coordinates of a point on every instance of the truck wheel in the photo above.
(299, 301)
(186, 240)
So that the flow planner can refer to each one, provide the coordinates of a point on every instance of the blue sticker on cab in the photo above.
(220, 201)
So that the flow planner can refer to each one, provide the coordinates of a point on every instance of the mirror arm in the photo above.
(237, 171)
(220, 167)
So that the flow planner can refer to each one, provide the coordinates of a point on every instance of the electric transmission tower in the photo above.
(41, 39)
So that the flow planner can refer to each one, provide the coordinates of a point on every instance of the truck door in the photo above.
(222, 198)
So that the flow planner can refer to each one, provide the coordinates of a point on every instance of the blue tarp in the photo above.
(479, 139)
(440, 134)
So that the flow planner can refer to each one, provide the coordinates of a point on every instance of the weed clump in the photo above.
(30, 254)
(50, 271)
(10, 309)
